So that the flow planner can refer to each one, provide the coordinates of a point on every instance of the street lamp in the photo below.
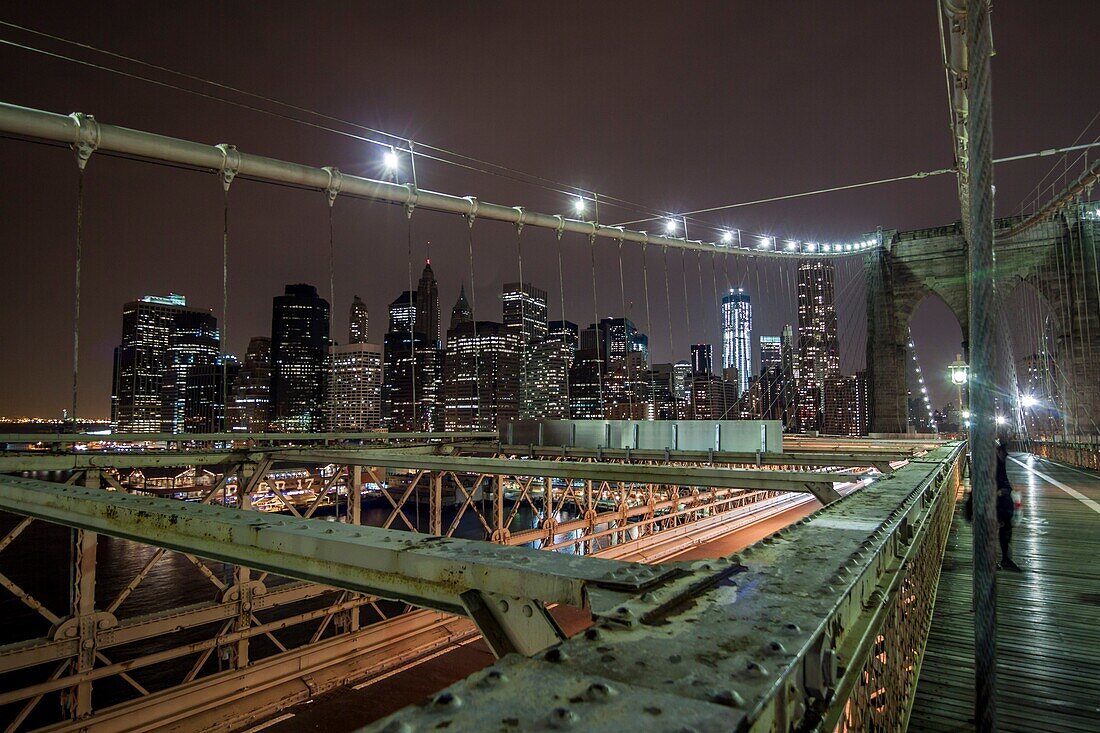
(960, 374)
(390, 161)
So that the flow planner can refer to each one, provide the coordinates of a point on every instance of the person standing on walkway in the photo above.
(1006, 507)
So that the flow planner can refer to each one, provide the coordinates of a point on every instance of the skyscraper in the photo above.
(548, 371)
(412, 362)
(358, 322)
(354, 400)
(525, 313)
(461, 312)
(193, 343)
(846, 409)
(250, 404)
(141, 360)
(481, 375)
(206, 389)
(737, 335)
(702, 359)
(818, 345)
(771, 352)
(403, 313)
(299, 342)
(427, 305)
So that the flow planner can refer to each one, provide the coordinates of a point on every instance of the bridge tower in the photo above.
(1057, 258)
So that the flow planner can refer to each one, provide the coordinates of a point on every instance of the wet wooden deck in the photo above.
(1048, 615)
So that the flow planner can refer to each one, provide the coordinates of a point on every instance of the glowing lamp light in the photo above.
(959, 370)
(727, 237)
(390, 160)
(1029, 400)
(578, 207)
(966, 414)
(670, 226)
(1001, 419)
(811, 246)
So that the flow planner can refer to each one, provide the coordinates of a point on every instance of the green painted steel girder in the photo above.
(702, 476)
(423, 570)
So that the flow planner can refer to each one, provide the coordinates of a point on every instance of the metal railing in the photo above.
(1082, 451)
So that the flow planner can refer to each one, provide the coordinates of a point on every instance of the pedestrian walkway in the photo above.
(1048, 640)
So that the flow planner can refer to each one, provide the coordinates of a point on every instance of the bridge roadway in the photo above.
(349, 708)
(1048, 615)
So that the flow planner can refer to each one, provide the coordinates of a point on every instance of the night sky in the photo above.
(677, 106)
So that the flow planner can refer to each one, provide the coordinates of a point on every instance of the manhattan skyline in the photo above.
(151, 229)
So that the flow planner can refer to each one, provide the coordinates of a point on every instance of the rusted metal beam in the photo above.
(711, 477)
(431, 572)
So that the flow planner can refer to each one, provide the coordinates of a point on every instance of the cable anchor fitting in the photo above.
(411, 199)
(87, 137)
(231, 163)
(522, 218)
(472, 213)
(560, 228)
(335, 181)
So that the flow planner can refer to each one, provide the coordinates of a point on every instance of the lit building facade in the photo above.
(299, 345)
(548, 372)
(192, 344)
(250, 404)
(412, 365)
(354, 399)
(525, 312)
(771, 352)
(737, 335)
(141, 361)
(846, 405)
(206, 389)
(481, 376)
(818, 357)
(702, 359)
(714, 398)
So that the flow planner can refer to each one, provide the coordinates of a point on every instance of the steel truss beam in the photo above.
(701, 476)
(823, 621)
(431, 572)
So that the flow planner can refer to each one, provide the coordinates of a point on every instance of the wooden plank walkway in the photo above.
(1048, 640)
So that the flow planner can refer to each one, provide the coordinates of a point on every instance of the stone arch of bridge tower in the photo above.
(901, 274)
(1057, 257)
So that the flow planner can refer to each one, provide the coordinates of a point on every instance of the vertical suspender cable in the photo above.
(627, 346)
(649, 330)
(76, 289)
(524, 384)
(225, 310)
(332, 317)
(561, 297)
(596, 312)
(231, 161)
(983, 392)
(687, 324)
(718, 311)
(413, 308)
(671, 345)
(473, 317)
